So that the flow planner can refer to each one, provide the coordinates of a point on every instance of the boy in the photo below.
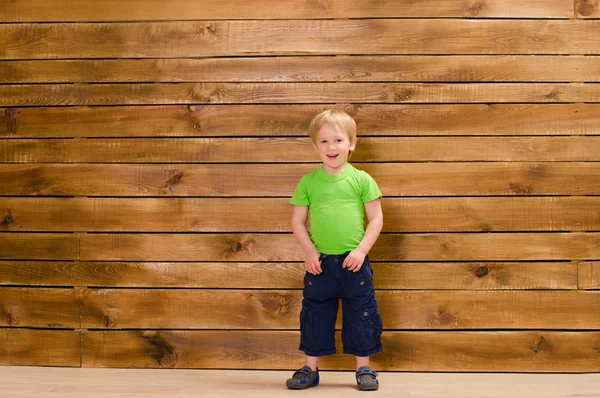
(337, 196)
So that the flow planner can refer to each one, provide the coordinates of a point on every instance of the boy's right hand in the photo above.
(312, 264)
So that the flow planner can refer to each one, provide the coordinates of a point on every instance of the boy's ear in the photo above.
(353, 143)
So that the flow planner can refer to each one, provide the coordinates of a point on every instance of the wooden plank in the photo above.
(289, 275)
(298, 150)
(589, 275)
(475, 276)
(389, 247)
(140, 10)
(465, 68)
(293, 120)
(273, 214)
(298, 37)
(42, 347)
(39, 307)
(38, 246)
(230, 180)
(280, 309)
(274, 93)
(522, 351)
(586, 9)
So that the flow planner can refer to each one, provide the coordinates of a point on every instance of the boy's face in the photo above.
(333, 146)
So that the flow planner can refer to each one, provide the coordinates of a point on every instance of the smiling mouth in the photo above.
(332, 156)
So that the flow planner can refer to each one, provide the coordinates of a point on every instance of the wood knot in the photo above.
(209, 32)
(541, 346)
(107, 321)
(238, 246)
(10, 319)
(173, 180)
(518, 189)
(586, 9)
(162, 351)
(475, 9)
(168, 360)
(8, 219)
(276, 303)
(553, 94)
(481, 271)
(446, 318)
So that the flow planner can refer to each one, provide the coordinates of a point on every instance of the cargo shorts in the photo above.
(362, 324)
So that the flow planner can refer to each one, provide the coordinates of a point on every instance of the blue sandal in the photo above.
(366, 379)
(303, 378)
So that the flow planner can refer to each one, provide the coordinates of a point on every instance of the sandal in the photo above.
(366, 379)
(303, 378)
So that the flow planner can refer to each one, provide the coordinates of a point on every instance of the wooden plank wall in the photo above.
(149, 148)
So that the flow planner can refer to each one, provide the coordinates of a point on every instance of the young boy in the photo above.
(337, 196)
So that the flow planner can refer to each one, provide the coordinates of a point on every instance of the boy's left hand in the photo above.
(354, 260)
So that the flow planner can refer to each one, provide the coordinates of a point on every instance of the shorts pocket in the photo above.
(364, 331)
(372, 325)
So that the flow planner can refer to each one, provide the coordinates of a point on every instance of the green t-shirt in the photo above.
(336, 207)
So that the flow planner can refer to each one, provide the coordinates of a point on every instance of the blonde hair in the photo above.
(336, 117)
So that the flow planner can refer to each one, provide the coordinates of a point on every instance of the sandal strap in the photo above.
(366, 371)
(303, 371)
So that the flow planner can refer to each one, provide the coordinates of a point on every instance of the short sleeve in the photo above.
(370, 190)
(300, 195)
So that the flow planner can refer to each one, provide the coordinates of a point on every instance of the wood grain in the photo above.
(298, 150)
(389, 247)
(38, 246)
(114, 10)
(39, 307)
(273, 215)
(303, 93)
(40, 347)
(280, 309)
(231, 180)
(589, 275)
(409, 68)
(289, 275)
(293, 120)
(298, 37)
(524, 351)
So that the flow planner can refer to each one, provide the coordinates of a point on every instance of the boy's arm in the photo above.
(355, 259)
(311, 262)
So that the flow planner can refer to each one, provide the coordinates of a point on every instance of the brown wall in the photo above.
(148, 150)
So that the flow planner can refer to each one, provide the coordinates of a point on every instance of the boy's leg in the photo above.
(362, 325)
(311, 362)
(319, 310)
(317, 323)
(361, 361)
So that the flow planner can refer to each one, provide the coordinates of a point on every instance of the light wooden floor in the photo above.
(108, 383)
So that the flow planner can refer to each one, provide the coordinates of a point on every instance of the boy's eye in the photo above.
(323, 141)
(338, 140)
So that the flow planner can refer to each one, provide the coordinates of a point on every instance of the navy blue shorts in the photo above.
(361, 326)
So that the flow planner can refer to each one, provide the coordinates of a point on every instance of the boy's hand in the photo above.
(354, 260)
(312, 264)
